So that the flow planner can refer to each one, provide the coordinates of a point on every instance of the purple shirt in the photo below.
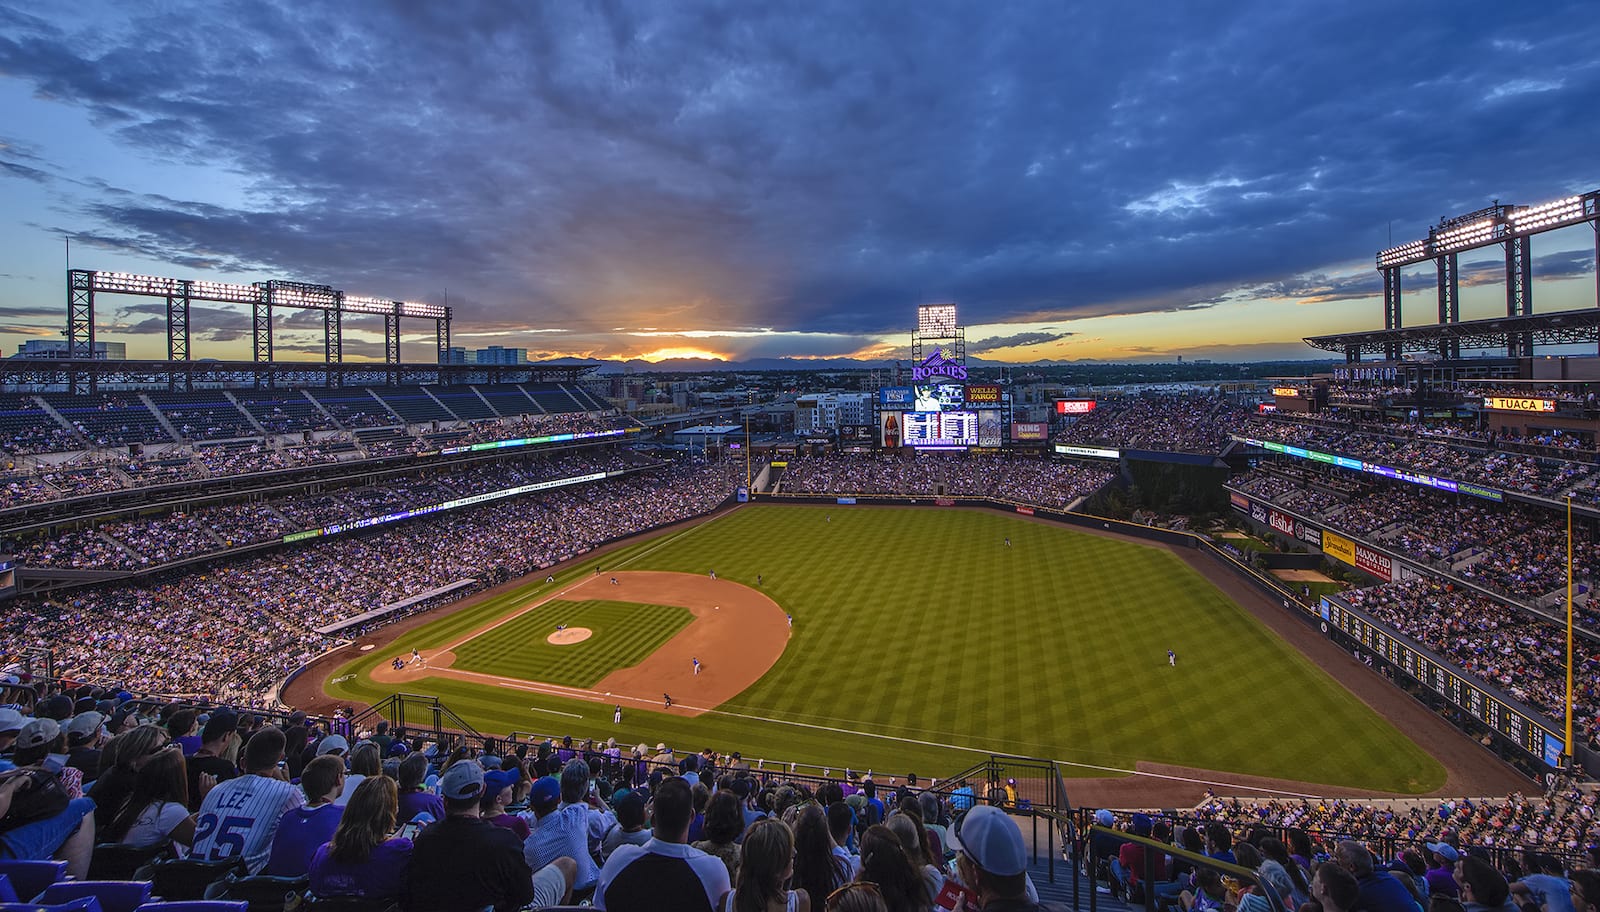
(300, 833)
(413, 803)
(380, 877)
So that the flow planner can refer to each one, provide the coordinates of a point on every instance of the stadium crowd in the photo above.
(137, 543)
(1514, 651)
(388, 815)
(1194, 423)
(381, 816)
(233, 629)
(1036, 482)
(37, 479)
(1445, 455)
(1512, 549)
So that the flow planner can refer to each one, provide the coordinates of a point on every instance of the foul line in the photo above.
(555, 712)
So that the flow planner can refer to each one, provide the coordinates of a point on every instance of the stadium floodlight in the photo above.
(1545, 215)
(419, 309)
(367, 305)
(1403, 254)
(1464, 236)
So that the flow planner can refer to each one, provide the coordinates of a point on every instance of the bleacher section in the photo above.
(111, 420)
(508, 400)
(414, 404)
(204, 415)
(27, 428)
(553, 397)
(288, 412)
(464, 403)
(354, 408)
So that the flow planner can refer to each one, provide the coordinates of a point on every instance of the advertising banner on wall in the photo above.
(1339, 548)
(898, 398)
(1374, 562)
(1239, 501)
(989, 425)
(1030, 430)
(1074, 406)
(1308, 533)
(983, 395)
(1509, 404)
(1282, 522)
(1258, 512)
(889, 429)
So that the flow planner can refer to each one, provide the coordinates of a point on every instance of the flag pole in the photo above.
(1568, 733)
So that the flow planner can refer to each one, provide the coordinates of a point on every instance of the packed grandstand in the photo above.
(210, 601)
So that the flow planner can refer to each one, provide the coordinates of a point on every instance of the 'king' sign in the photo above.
(937, 365)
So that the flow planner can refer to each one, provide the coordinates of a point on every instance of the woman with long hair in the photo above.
(910, 831)
(817, 870)
(157, 808)
(120, 762)
(766, 862)
(885, 862)
(362, 859)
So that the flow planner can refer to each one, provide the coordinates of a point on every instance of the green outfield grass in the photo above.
(922, 642)
(624, 634)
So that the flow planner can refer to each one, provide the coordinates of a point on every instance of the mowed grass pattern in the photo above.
(922, 641)
(624, 634)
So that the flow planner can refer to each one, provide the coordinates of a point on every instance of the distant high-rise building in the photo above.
(458, 356)
(57, 348)
(495, 354)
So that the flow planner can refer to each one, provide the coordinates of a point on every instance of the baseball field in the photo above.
(898, 639)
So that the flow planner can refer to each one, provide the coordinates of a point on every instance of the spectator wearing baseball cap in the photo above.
(992, 860)
(1442, 858)
(498, 785)
(464, 862)
(11, 722)
(561, 823)
(86, 734)
(41, 738)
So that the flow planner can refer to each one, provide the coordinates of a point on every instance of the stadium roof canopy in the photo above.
(1566, 327)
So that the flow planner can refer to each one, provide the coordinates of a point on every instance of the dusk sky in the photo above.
(615, 179)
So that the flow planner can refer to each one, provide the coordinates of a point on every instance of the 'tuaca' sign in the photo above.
(937, 365)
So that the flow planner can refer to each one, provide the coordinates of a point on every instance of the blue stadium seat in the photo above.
(114, 895)
(86, 904)
(7, 894)
(29, 878)
(197, 905)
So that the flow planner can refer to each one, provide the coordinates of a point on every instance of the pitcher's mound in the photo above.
(569, 636)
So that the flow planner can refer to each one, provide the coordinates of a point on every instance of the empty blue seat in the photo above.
(29, 878)
(114, 895)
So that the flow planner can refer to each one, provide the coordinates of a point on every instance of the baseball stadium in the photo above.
(1331, 604)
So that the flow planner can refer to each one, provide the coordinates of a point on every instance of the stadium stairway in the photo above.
(1060, 892)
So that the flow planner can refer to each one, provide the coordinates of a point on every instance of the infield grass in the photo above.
(624, 633)
(922, 642)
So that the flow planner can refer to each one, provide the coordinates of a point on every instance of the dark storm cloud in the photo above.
(995, 343)
(818, 167)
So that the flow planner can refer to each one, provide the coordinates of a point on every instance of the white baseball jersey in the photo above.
(239, 818)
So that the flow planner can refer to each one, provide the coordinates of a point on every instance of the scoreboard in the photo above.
(939, 429)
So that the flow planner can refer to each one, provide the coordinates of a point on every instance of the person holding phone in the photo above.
(363, 859)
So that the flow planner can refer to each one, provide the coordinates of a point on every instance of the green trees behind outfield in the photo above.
(921, 641)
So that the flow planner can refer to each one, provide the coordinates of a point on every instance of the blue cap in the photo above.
(546, 792)
(496, 781)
